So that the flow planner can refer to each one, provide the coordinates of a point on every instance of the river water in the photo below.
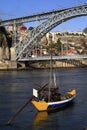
(16, 89)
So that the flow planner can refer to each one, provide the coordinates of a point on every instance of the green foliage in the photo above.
(30, 28)
(9, 39)
(1, 38)
(58, 45)
(3, 31)
(85, 30)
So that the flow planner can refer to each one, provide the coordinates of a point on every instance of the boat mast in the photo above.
(54, 79)
(52, 73)
(50, 38)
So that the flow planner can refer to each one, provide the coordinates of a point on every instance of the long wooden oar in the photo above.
(13, 117)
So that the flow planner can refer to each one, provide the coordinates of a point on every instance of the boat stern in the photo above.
(40, 105)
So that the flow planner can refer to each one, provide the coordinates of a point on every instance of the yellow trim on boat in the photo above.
(40, 105)
(73, 92)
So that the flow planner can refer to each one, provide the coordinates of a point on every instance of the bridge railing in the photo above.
(67, 57)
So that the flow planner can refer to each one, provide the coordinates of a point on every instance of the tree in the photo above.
(1, 38)
(30, 28)
(58, 45)
(85, 30)
(5, 42)
(8, 36)
(2, 35)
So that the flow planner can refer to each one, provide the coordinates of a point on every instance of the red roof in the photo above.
(23, 27)
(70, 51)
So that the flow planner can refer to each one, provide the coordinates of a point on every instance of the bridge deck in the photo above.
(45, 58)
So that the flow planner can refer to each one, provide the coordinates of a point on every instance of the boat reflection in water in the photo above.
(51, 120)
(40, 120)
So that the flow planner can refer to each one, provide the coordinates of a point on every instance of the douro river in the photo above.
(16, 88)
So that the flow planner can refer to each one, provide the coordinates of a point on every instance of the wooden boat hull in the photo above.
(49, 106)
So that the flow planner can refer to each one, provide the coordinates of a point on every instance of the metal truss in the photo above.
(52, 19)
(24, 47)
(29, 18)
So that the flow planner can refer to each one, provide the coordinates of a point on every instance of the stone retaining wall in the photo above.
(8, 65)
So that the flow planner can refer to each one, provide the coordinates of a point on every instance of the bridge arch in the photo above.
(26, 45)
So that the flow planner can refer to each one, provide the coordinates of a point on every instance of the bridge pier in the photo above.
(12, 54)
(7, 55)
(0, 53)
(7, 60)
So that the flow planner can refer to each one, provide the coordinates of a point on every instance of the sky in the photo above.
(17, 8)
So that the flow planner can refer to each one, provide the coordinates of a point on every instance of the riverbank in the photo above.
(13, 65)
(60, 64)
(8, 65)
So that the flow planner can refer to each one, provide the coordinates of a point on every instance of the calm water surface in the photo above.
(16, 89)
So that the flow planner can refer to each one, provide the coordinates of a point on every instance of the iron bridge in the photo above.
(49, 20)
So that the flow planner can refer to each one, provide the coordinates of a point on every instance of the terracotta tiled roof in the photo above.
(23, 27)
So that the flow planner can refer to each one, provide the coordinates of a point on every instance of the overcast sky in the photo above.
(17, 8)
